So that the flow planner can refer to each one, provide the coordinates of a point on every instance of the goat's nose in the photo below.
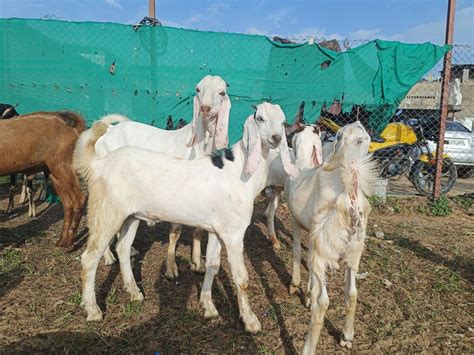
(276, 138)
(205, 109)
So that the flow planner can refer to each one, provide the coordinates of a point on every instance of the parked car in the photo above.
(459, 144)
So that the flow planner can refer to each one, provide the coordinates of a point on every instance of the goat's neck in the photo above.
(208, 143)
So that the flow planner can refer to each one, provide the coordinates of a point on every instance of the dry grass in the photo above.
(427, 307)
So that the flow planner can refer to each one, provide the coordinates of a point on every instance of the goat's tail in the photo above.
(72, 119)
(84, 152)
(114, 118)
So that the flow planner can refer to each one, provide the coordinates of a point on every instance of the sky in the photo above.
(402, 20)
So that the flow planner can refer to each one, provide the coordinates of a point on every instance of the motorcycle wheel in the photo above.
(423, 176)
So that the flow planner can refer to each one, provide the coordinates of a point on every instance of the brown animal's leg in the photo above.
(67, 238)
(11, 194)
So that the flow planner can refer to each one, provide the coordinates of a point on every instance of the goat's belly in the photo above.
(152, 218)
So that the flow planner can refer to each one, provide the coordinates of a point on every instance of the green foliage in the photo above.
(375, 201)
(76, 299)
(440, 207)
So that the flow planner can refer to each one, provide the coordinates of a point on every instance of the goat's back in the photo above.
(172, 143)
(32, 141)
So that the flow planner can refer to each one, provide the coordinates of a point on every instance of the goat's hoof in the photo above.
(294, 289)
(137, 297)
(210, 311)
(171, 271)
(133, 252)
(201, 269)
(109, 258)
(94, 314)
(253, 325)
(276, 244)
(345, 343)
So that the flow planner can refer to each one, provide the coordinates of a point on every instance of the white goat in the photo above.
(206, 133)
(329, 202)
(306, 154)
(133, 184)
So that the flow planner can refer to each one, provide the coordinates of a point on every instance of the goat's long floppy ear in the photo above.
(317, 155)
(330, 164)
(252, 144)
(285, 157)
(221, 136)
(198, 132)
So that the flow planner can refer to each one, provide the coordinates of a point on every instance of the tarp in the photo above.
(151, 73)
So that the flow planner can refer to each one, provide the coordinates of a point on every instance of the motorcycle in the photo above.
(402, 149)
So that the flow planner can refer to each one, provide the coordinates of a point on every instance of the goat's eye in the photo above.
(259, 118)
(197, 90)
(222, 93)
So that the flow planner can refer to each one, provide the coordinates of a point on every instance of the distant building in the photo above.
(426, 95)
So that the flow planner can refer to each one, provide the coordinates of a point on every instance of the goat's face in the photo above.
(269, 119)
(352, 140)
(210, 92)
(307, 145)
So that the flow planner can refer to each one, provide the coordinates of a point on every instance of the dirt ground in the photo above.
(415, 290)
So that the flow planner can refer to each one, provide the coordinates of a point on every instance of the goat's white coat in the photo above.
(132, 184)
(306, 154)
(329, 202)
(206, 133)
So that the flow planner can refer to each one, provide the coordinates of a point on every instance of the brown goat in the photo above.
(45, 140)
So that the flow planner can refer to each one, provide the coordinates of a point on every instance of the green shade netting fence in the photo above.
(51, 65)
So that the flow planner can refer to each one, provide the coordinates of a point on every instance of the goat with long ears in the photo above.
(329, 202)
(133, 184)
(206, 133)
(206, 119)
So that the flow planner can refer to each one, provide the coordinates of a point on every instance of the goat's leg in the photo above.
(124, 245)
(171, 267)
(350, 291)
(67, 235)
(235, 254)
(23, 189)
(213, 262)
(11, 194)
(109, 257)
(30, 195)
(319, 305)
(198, 263)
(350, 297)
(296, 272)
(270, 213)
(98, 240)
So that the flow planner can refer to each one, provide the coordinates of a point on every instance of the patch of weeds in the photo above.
(189, 316)
(272, 312)
(11, 262)
(376, 201)
(446, 280)
(423, 209)
(440, 207)
(76, 299)
(132, 308)
(112, 296)
(263, 349)
(465, 201)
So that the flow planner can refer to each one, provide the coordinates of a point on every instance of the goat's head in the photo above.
(265, 129)
(210, 103)
(352, 143)
(7, 111)
(307, 147)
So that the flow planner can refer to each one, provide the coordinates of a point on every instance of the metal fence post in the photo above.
(444, 97)
(151, 8)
